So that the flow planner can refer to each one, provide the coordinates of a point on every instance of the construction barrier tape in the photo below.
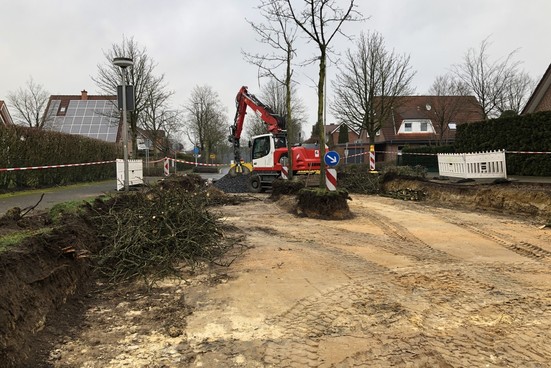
(202, 164)
(54, 166)
(529, 153)
(435, 154)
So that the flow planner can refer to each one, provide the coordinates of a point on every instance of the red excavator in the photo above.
(269, 151)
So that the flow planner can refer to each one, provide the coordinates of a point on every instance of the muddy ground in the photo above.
(461, 279)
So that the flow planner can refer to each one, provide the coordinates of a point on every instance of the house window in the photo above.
(408, 127)
(452, 126)
(424, 126)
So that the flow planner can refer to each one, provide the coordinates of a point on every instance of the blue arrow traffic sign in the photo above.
(331, 158)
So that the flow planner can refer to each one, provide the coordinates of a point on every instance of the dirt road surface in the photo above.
(402, 284)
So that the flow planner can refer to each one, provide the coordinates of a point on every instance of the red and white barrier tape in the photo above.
(435, 154)
(529, 152)
(54, 166)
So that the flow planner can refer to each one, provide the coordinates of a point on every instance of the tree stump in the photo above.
(324, 204)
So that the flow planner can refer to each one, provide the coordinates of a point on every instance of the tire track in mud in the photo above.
(373, 309)
(375, 312)
(402, 241)
(522, 248)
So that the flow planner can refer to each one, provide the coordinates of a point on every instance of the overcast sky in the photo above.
(59, 43)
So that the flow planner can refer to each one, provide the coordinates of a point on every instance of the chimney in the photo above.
(84, 95)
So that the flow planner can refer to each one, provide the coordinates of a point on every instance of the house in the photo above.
(5, 117)
(332, 132)
(540, 100)
(415, 121)
(91, 116)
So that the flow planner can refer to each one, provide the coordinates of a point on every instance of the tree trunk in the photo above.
(289, 117)
(321, 128)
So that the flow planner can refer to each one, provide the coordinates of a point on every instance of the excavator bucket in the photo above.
(239, 169)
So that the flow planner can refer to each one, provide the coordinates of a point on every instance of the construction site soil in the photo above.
(459, 279)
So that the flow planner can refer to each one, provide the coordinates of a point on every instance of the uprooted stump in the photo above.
(324, 204)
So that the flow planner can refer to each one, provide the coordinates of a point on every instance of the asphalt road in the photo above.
(52, 196)
(55, 195)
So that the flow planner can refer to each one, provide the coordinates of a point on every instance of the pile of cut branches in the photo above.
(147, 234)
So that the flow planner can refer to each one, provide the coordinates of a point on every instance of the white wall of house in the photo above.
(416, 126)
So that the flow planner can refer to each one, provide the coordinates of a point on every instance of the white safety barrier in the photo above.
(479, 165)
(135, 173)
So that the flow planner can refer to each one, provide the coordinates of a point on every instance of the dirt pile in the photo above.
(506, 197)
(38, 277)
(233, 184)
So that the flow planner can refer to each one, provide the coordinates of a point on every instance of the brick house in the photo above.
(5, 117)
(540, 100)
(416, 121)
(91, 116)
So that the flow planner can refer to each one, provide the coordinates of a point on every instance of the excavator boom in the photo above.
(275, 123)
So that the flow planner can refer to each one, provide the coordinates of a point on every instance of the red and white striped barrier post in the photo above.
(331, 179)
(372, 157)
(167, 167)
(284, 173)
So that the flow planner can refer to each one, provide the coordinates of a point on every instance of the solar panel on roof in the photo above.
(97, 119)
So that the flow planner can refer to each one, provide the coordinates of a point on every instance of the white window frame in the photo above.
(412, 126)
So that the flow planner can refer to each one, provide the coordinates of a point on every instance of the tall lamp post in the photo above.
(123, 63)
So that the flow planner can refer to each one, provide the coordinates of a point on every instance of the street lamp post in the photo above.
(123, 63)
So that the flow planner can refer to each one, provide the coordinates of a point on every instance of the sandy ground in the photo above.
(402, 284)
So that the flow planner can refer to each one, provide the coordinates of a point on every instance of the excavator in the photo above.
(269, 152)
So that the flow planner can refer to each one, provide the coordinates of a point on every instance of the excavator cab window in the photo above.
(280, 142)
(261, 147)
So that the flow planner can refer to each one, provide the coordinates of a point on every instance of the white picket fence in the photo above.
(479, 165)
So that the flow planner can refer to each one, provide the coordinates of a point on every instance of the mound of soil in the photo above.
(37, 278)
(509, 197)
(233, 184)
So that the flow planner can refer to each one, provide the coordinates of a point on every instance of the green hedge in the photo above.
(417, 156)
(24, 147)
(518, 133)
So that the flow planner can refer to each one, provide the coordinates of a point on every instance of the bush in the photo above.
(24, 147)
(512, 133)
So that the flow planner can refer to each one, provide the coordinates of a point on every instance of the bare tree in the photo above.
(205, 120)
(321, 21)
(498, 85)
(158, 119)
(448, 98)
(517, 93)
(280, 34)
(370, 83)
(140, 75)
(274, 94)
(30, 104)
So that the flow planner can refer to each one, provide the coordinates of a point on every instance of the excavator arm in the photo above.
(275, 123)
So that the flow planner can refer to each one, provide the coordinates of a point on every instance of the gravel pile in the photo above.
(229, 184)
